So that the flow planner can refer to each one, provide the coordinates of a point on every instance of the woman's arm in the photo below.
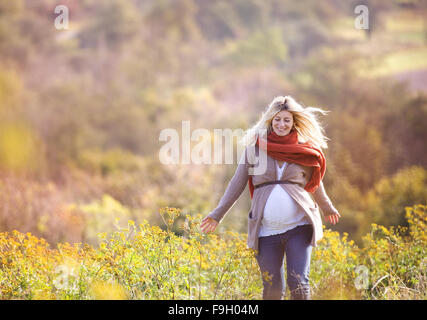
(233, 191)
(325, 204)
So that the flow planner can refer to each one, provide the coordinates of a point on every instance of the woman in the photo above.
(283, 218)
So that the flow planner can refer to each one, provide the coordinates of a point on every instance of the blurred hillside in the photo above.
(81, 109)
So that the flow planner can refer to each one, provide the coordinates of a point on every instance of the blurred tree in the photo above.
(406, 133)
(114, 23)
(11, 91)
(358, 152)
(386, 202)
(26, 30)
(21, 150)
(173, 21)
(314, 77)
(11, 43)
(220, 20)
(262, 48)
(62, 121)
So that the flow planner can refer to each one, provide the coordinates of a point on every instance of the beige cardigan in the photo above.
(295, 173)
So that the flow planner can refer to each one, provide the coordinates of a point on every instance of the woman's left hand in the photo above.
(334, 218)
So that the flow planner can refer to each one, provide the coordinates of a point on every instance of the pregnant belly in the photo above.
(281, 209)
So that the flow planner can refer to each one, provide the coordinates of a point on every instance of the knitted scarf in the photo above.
(286, 148)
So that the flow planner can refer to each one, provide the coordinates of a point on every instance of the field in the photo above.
(399, 51)
(148, 262)
(89, 211)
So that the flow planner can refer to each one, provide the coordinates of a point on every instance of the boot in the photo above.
(302, 292)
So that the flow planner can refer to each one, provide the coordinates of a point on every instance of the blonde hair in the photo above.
(305, 122)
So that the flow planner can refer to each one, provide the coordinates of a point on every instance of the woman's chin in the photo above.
(281, 133)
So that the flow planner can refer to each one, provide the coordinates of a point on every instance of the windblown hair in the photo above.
(305, 122)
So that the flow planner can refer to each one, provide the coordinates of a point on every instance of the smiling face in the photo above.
(282, 123)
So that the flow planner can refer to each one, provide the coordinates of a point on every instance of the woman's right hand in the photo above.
(208, 225)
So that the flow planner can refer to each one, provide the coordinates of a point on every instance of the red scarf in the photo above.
(286, 148)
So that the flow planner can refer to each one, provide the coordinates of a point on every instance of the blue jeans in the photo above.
(296, 243)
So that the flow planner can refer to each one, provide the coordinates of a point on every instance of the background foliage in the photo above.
(81, 109)
(146, 262)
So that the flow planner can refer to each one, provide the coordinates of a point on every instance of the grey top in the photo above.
(295, 173)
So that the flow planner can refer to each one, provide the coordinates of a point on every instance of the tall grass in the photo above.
(180, 262)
